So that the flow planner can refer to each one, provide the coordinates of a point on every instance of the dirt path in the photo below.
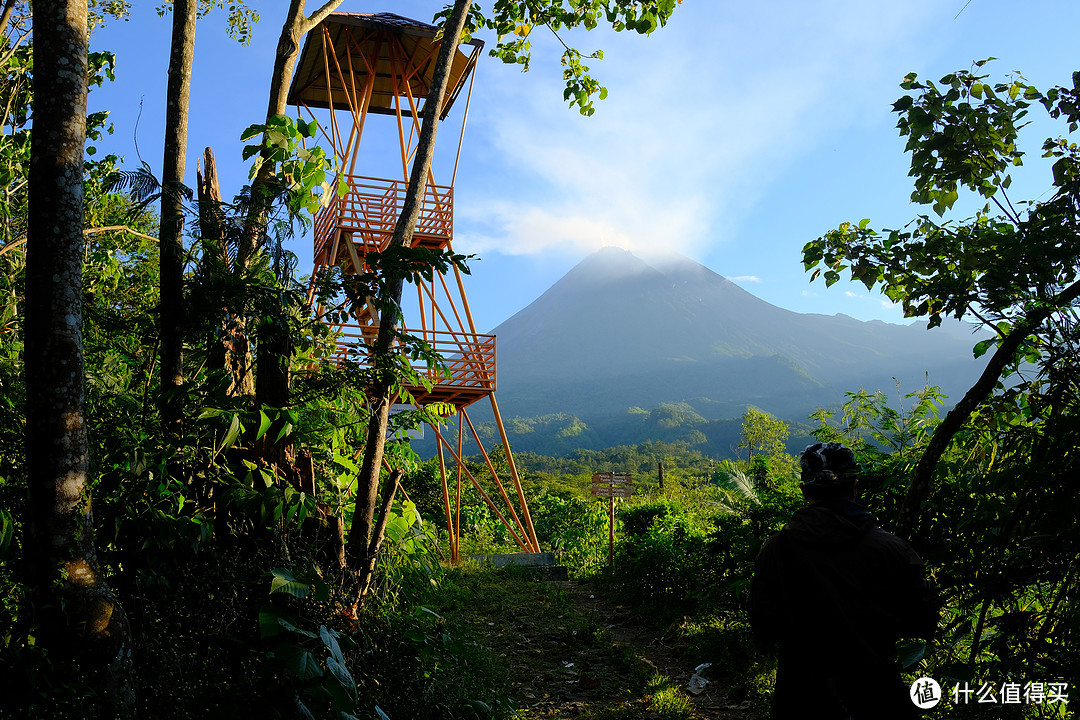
(572, 653)
(709, 702)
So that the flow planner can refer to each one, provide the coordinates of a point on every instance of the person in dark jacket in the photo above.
(834, 592)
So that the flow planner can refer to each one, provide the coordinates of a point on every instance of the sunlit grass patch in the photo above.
(667, 700)
(738, 665)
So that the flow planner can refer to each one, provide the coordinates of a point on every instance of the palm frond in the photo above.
(141, 184)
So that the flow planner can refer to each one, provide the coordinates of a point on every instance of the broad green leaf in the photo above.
(264, 425)
(415, 635)
(283, 581)
(269, 617)
(252, 131)
(298, 661)
(7, 530)
(910, 653)
(302, 709)
(983, 346)
(329, 637)
(344, 680)
(235, 428)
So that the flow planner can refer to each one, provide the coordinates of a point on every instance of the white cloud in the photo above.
(746, 278)
(691, 135)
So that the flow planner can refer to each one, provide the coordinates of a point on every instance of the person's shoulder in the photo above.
(887, 541)
(772, 543)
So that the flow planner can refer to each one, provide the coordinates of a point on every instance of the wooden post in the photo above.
(660, 473)
(611, 531)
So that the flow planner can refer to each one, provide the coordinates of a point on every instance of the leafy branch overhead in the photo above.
(242, 19)
(302, 170)
(1010, 256)
(515, 20)
(1013, 266)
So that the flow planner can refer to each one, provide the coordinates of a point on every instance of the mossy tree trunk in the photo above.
(79, 618)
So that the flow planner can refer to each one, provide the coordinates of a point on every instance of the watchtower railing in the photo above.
(366, 216)
(469, 360)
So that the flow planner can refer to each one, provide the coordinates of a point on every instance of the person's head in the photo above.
(828, 470)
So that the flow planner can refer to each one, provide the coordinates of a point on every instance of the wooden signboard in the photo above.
(611, 478)
(612, 485)
(613, 491)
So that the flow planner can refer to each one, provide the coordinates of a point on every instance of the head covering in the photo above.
(827, 464)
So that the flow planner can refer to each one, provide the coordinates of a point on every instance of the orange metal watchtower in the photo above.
(355, 65)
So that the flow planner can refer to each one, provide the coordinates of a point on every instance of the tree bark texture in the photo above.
(921, 483)
(379, 531)
(293, 30)
(274, 346)
(78, 616)
(234, 352)
(171, 311)
(211, 217)
(361, 532)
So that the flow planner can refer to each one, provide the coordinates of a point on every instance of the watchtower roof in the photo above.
(399, 51)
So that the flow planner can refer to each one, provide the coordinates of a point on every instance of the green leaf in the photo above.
(7, 530)
(251, 132)
(235, 428)
(269, 615)
(910, 653)
(298, 661)
(283, 581)
(983, 346)
(302, 709)
(346, 682)
(415, 635)
(264, 425)
(422, 611)
(329, 638)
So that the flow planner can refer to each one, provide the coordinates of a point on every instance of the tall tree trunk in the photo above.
(172, 214)
(273, 351)
(361, 532)
(274, 346)
(80, 618)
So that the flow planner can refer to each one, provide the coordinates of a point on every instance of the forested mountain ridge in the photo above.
(621, 350)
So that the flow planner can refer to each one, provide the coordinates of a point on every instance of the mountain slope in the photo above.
(621, 350)
(617, 332)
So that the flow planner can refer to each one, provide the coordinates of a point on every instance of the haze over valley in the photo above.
(622, 350)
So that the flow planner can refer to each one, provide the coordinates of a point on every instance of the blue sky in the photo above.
(734, 135)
